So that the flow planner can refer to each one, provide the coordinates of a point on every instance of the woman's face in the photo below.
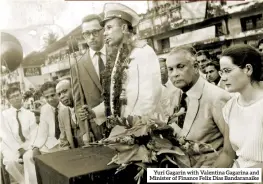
(235, 78)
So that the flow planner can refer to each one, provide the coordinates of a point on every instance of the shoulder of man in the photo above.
(139, 43)
(145, 49)
(28, 111)
(217, 93)
(82, 59)
(44, 108)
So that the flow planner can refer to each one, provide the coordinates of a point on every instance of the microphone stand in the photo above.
(86, 123)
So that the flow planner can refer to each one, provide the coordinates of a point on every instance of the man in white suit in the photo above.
(19, 145)
(55, 122)
(141, 85)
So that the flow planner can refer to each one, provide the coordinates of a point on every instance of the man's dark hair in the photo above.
(91, 17)
(215, 64)
(47, 85)
(242, 55)
(203, 52)
(121, 22)
(11, 90)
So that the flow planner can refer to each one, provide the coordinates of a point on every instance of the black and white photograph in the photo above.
(131, 92)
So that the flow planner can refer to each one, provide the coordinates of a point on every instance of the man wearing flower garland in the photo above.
(132, 78)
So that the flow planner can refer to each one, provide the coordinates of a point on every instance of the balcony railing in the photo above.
(61, 65)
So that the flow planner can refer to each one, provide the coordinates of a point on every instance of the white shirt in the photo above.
(95, 59)
(73, 115)
(9, 130)
(245, 131)
(47, 127)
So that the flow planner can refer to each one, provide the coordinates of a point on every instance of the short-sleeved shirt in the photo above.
(245, 131)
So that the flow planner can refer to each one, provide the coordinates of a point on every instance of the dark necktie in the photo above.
(57, 130)
(20, 133)
(183, 104)
(101, 65)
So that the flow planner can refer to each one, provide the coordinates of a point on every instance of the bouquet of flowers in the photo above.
(148, 142)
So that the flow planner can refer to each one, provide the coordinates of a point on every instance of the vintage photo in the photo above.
(100, 91)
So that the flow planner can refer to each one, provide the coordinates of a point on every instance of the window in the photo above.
(219, 29)
(252, 22)
(164, 44)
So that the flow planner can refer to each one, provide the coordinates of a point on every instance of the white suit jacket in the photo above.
(143, 85)
(11, 141)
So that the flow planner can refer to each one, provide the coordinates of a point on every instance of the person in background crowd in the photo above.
(164, 71)
(260, 49)
(54, 122)
(201, 105)
(211, 71)
(241, 69)
(19, 145)
(28, 100)
(203, 59)
(260, 46)
(90, 68)
(64, 91)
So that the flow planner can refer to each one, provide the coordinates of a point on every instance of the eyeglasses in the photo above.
(93, 33)
(226, 71)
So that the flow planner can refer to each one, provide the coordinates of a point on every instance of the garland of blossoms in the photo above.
(122, 56)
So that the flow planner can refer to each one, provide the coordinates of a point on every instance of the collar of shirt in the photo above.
(197, 89)
(103, 52)
(53, 108)
(14, 109)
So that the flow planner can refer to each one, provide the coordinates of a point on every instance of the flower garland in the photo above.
(122, 56)
(106, 78)
(119, 78)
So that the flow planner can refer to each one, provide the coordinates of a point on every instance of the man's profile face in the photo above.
(15, 99)
(181, 70)
(93, 34)
(211, 73)
(51, 97)
(202, 61)
(113, 32)
(64, 93)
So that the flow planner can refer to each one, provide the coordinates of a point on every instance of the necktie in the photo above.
(20, 133)
(101, 65)
(183, 104)
(57, 130)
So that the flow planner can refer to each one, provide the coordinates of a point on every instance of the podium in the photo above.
(82, 166)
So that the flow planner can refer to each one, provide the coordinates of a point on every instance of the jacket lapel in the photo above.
(88, 65)
(194, 95)
(190, 115)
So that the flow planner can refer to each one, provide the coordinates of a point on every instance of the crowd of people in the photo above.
(220, 101)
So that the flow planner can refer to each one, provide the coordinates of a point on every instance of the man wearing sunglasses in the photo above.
(90, 68)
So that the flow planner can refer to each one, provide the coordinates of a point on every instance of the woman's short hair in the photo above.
(242, 55)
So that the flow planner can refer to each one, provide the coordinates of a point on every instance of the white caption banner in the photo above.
(204, 175)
